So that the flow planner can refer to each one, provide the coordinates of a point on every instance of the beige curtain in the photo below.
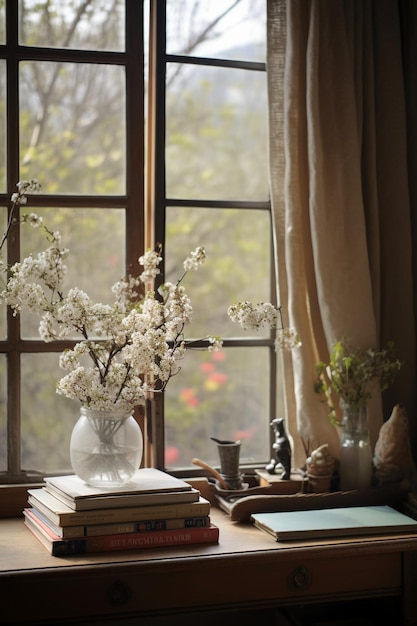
(339, 187)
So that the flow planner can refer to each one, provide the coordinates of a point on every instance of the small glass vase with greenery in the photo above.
(351, 374)
(350, 377)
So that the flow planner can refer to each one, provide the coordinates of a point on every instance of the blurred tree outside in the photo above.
(73, 140)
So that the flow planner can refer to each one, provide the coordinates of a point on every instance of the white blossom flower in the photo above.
(28, 186)
(215, 344)
(127, 290)
(24, 187)
(287, 339)
(195, 259)
(34, 220)
(253, 316)
(150, 261)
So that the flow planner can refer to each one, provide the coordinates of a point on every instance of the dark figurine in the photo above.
(282, 449)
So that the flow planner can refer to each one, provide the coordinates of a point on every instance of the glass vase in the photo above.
(356, 453)
(106, 447)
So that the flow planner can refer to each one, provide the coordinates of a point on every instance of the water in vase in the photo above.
(356, 466)
(106, 469)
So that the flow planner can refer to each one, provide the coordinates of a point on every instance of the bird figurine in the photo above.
(282, 447)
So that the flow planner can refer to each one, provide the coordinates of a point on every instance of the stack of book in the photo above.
(153, 510)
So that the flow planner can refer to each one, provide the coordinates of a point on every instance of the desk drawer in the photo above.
(192, 584)
(353, 574)
(268, 580)
(264, 581)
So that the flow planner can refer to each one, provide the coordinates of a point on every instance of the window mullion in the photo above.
(135, 227)
(157, 119)
(13, 414)
(13, 249)
(156, 206)
(12, 96)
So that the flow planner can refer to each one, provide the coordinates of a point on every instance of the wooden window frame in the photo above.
(132, 59)
(143, 227)
(159, 203)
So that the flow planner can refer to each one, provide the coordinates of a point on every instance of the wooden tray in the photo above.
(241, 504)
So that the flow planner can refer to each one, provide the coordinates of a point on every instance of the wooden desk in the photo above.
(246, 570)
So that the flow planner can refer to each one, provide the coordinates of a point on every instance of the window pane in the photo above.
(77, 24)
(3, 413)
(216, 143)
(218, 394)
(219, 28)
(3, 258)
(72, 125)
(2, 23)
(95, 239)
(47, 418)
(3, 126)
(237, 267)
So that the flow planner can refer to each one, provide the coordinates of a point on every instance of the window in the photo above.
(77, 108)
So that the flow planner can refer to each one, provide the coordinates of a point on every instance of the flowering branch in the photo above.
(133, 344)
(18, 198)
(252, 316)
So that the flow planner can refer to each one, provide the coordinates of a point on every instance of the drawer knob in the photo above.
(300, 578)
(118, 593)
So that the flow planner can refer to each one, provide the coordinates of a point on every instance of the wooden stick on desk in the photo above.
(212, 471)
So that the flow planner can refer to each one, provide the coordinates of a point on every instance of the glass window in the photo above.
(3, 413)
(216, 130)
(218, 394)
(71, 127)
(216, 182)
(3, 138)
(3, 222)
(47, 418)
(72, 116)
(238, 265)
(77, 75)
(95, 239)
(2, 22)
(227, 30)
(78, 24)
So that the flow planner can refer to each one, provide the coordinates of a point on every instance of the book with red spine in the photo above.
(57, 546)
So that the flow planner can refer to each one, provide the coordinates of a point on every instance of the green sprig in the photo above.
(351, 372)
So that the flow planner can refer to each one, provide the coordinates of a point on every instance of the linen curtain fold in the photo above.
(340, 195)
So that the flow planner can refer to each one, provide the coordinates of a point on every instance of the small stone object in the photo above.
(320, 466)
(393, 459)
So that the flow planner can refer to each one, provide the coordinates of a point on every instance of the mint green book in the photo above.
(340, 522)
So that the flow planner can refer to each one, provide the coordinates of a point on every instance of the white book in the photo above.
(147, 486)
(339, 522)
